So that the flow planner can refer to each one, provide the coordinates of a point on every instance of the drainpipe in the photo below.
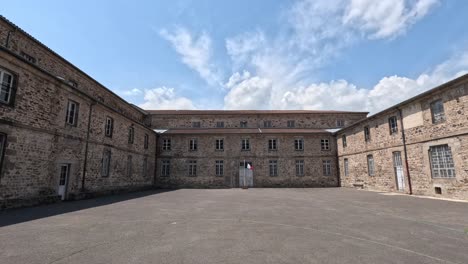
(406, 152)
(85, 163)
(337, 167)
(155, 160)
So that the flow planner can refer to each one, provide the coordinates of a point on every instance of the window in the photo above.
(166, 144)
(340, 123)
(267, 123)
(195, 124)
(220, 124)
(6, 87)
(106, 159)
(343, 138)
(272, 144)
(291, 123)
(219, 168)
(131, 134)
(3, 138)
(393, 125)
(346, 167)
(245, 144)
(325, 144)
(299, 167)
(166, 168)
(326, 164)
(193, 144)
(129, 166)
(437, 112)
(72, 113)
(366, 133)
(145, 167)
(243, 124)
(370, 165)
(220, 144)
(299, 144)
(109, 128)
(64, 169)
(146, 141)
(273, 168)
(28, 57)
(442, 162)
(192, 168)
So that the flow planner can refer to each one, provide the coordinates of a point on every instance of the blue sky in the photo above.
(322, 54)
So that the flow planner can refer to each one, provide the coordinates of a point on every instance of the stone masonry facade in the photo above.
(65, 136)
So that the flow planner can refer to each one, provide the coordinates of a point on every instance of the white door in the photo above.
(63, 180)
(398, 166)
(245, 174)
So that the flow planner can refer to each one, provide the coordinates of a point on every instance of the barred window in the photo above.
(343, 139)
(192, 168)
(109, 128)
(267, 123)
(299, 167)
(325, 144)
(245, 144)
(166, 168)
(370, 165)
(220, 144)
(219, 168)
(131, 134)
(6, 86)
(145, 143)
(393, 125)
(366, 133)
(326, 165)
(220, 124)
(437, 112)
(291, 123)
(166, 144)
(346, 167)
(442, 162)
(299, 144)
(106, 160)
(272, 144)
(193, 145)
(273, 168)
(72, 113)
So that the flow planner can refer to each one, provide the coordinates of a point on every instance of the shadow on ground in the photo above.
(20, 215)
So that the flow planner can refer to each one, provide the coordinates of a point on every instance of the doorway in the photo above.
(63, 180)
(398, 167)
(245, 174)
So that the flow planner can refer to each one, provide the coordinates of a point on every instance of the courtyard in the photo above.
(332, 225)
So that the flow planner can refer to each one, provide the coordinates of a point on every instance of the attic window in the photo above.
(28, 57)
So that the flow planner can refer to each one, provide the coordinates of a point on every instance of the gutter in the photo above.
(405, 151)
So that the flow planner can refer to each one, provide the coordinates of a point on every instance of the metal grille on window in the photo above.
(442, 162)
(437, 110)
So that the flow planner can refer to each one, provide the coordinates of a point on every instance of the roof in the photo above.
(412, 99)
(191, 131)
(238, 112)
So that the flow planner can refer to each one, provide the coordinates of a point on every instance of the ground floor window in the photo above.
(442, 162)
(370, 165)
(166, 166)
(299, 167)
(2, 148)
(346, 168)
(326, 164)
(106, 159)
(219, 167)
(273, 168)
(192, 168)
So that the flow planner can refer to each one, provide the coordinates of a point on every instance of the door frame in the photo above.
(67, 180)
(395, 169)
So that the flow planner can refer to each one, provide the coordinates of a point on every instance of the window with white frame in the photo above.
(366, 133)
(166, 144)
(245, 144)
(370, 165)
(192, 168)
(166, 168)
(346, 167)
(325, 144)
(299, 167)
(267, 123)
(442, 165)
(393, 125)
(193, 145)
(326, 166)
(437, 111)
(219, 144)
(219, 167)
(273, 164)
(106, 160)
(6, 86)
(131, 134)
(340, 123)
(299, 144)
(272, 144)
(109, 128)
(291, 123)
(129, 166)
(146, 141)
(72, 113)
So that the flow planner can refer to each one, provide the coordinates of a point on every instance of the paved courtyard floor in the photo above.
(239, 226)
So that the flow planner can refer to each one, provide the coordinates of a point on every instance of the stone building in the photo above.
(63, 134)
(418, 146)
(213, 148)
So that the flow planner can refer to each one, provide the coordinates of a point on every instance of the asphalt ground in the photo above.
(329, 225)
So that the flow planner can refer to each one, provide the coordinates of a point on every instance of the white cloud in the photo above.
(131, 92)
(165, 98)
(195, 52)
(247, 92)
